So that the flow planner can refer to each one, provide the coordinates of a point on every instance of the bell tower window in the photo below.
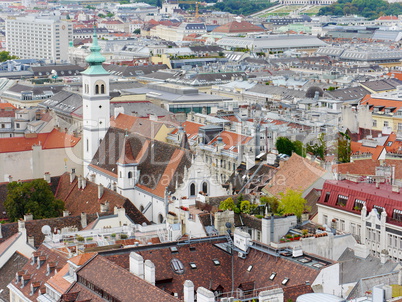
(102, 89)
(96, 89)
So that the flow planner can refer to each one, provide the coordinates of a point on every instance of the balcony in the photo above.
(393, 156)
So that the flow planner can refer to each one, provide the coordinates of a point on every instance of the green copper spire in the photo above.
(95, 59)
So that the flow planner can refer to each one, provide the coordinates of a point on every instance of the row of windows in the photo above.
(386, 124)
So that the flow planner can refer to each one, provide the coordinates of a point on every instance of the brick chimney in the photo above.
(84, 221)
(188, 291)
(137, 265)
(149, 272)
(100, 191)
(46, 177)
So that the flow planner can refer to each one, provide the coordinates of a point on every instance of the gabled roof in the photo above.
(52, 140)
(231, 140)
(107, 275)
(359, 148)
(38, 276)
(8, 271)
(126, 155)
(372, 101)
(238, 27)
(297, 173)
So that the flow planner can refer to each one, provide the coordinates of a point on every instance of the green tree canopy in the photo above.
(5, 56)
(137, 31)
(318, 149)
(292, 202)
(284, 145)
(33, 197)
(227, 204)
(272, 202)
(344, 149)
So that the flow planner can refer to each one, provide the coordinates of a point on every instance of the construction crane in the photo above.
(191, 2)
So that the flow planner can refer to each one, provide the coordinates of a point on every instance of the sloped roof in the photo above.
(8, 271)
(238, 27)
(367, 167)
(297, 173)
(52, 140)
(359, 148)
(106, 275)
(231, 140)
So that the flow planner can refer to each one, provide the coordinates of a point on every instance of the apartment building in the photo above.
(39, 37)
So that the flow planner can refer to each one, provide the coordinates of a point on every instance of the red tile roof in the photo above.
(190, 128)
(52, 140)
(369, 100)
(238, 27)
(367, 167)
(7, 106)
(231, 140)
(358, 148)
(388, 18)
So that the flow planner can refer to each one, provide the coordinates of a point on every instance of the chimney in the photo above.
(10, 178)
(72, 176)
(114, 186)
(396, 189)
(28, 217)
(83, 183)
(117, 111)
(149, 272)
(46, 177)
(84, 221)
(92, 177)
(188, 291)
(137, 265)
(377, 184)
(21, 225)
(79, 182)
(205, 295)
(104, 207)
(100, 191)
(66, 213)
(384, 256)
(31, 240)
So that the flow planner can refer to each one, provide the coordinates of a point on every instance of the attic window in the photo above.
(173, 249)
(250, 268)
(379, 209)
(177, 266)
(285, 281)
(216, 262)
(272, 277)
(193, 265)
(192, 248)
(342, 200)
(397, 215)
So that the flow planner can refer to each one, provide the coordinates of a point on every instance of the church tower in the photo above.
(96, 103)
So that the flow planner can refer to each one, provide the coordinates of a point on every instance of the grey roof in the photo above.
(140, 109)
(193, 26)
(284, 92)
(99, 30)
(62, 70)
(371, 54)
(206, 48)
(381, 85)
(37, 90)
(133, 71)
(348, 94)
(353, 268)
(7, 273)
(64, 102)
(273, 42)
(387, 35)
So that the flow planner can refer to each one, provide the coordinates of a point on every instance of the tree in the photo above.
(5, 56)
(299, 148)
(33, 197)
(227, 204)
(137, 31)
(344, 150)
(245, 206)
(318, 149)
(292, 202)
(284, 145)
(271, 202)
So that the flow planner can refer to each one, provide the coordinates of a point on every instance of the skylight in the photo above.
(173, 249)
(250, 268)
(272, 277)
(193, 265)
(177, 266)
(216, 262)
(285, 281)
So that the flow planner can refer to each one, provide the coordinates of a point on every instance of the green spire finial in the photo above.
(95, 58)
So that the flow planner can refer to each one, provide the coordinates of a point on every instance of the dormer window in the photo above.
(397, 215)
(379, 209)
(342, 200)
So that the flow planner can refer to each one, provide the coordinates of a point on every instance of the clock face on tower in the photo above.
(63, 27)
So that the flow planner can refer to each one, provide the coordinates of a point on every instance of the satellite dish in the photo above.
(228, 225)
(46, 230)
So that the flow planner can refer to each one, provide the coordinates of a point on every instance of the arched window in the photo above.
(102, 89)
(130, 174)
(96, 89)
(205, 187)
(192, 189)
(160, 218)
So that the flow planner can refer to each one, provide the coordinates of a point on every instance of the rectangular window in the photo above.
(374, 123)
(342, 200)
(342, 225)
(353, 228)
(399, 126)
(386, 123)
(325, 219)
(327, 195)
(358, 205)
(397, 215)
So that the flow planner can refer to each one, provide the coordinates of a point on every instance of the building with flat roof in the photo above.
(39, 37)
